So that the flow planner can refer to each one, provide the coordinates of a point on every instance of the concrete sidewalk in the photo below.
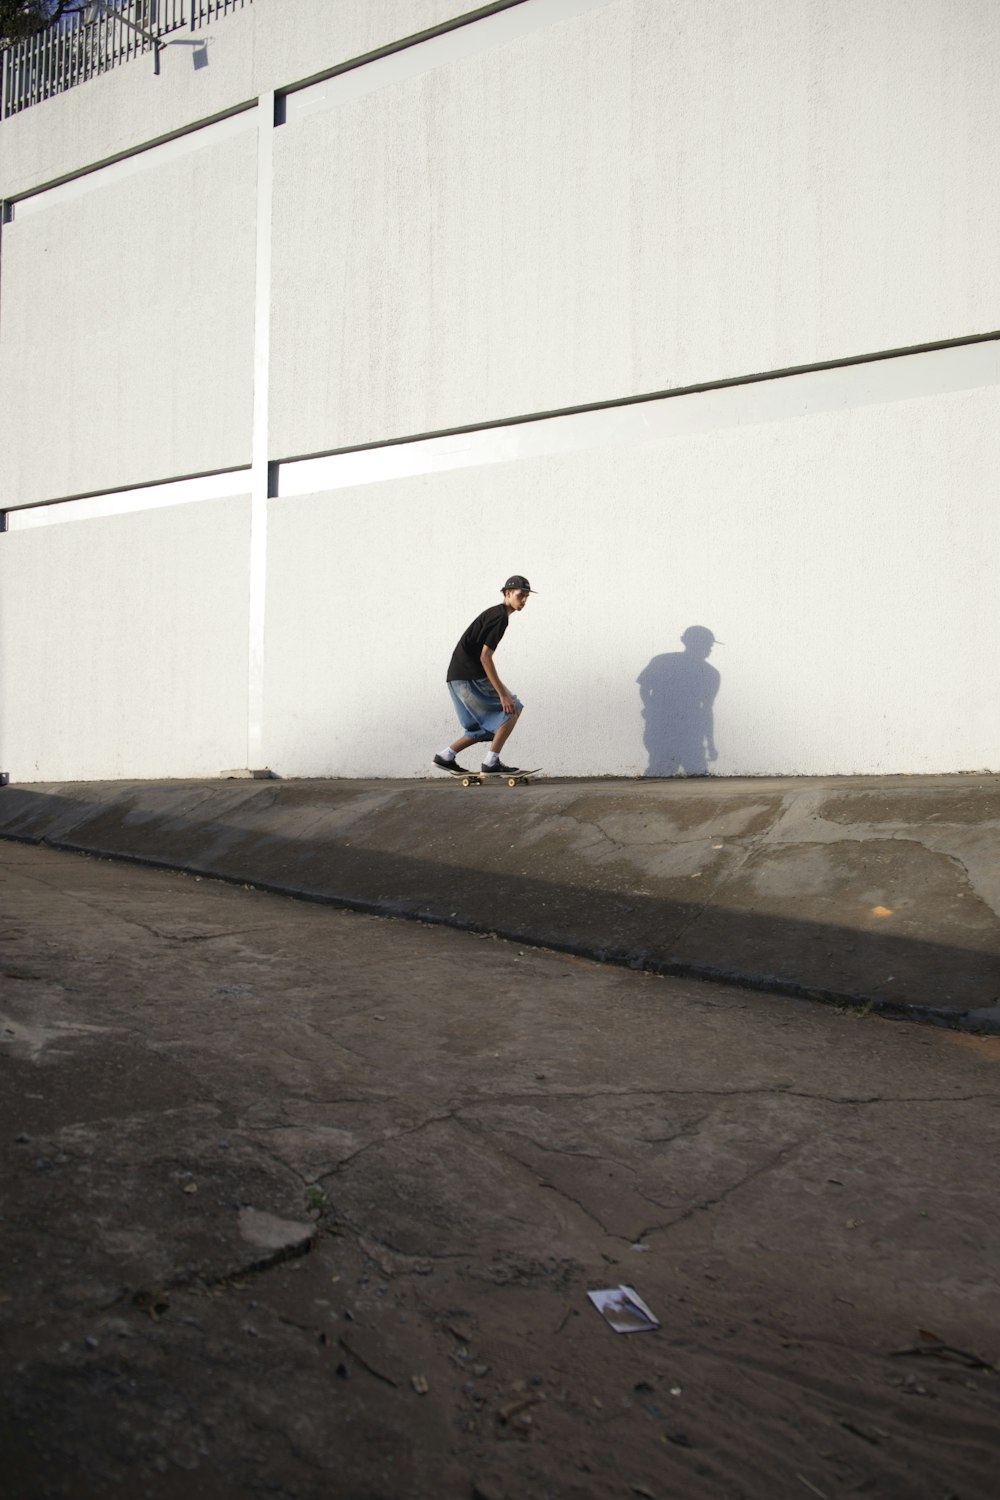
(880, 892)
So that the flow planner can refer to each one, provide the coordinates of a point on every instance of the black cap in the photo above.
(516, 581)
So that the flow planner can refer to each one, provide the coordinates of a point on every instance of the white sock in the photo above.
(448, 754)
(491, 759)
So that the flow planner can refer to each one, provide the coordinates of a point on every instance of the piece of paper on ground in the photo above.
(624, 1309)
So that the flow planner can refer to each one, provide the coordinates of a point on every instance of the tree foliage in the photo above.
(21, 18)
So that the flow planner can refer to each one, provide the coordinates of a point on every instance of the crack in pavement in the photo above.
(256, 1267)
(174, 937)
(595, 1156)
(705, 1204)
(463, 1114)
(388, 1140)
(668, 840)
(103, 910)
(368, 1237)
(543, 1182)
(277, 1160)
(588, 1213)
(970, 879)
(664, 1140)
(762, 1091)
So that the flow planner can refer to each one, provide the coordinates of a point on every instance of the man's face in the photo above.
(516, 598)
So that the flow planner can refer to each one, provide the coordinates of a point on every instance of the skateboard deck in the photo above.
(476, 778)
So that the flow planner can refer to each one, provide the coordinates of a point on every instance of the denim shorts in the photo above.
(477, 704)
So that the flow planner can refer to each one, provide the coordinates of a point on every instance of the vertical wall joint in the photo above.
(260, 474)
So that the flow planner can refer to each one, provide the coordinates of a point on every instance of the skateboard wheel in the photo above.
(466, 781)
(512, 781)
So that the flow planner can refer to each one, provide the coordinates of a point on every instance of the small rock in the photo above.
(267, 1232)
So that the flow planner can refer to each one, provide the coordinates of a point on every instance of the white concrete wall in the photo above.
(638, 197)
(849, 561)
(571, 202)
(123, 645)
(126, 324)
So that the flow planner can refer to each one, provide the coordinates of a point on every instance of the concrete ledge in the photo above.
(878, 892)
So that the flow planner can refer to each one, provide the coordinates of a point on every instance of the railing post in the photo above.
(48, 63)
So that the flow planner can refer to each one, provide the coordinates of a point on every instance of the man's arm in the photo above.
(506, 701)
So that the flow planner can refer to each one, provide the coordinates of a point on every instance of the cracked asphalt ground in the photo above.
(302, 1203)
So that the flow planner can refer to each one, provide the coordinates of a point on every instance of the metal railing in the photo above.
(92, 42)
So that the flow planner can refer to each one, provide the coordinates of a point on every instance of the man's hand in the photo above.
(506, 701)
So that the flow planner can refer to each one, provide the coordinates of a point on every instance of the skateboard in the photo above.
(476, 778)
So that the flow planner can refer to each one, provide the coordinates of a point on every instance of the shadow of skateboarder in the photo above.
(678, 690)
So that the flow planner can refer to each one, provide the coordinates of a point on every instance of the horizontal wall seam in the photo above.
(13, 199)
(141, 486)
(403, 45)
(285, 475)
(614, 402)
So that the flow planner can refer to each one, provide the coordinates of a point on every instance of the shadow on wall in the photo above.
(678, 691)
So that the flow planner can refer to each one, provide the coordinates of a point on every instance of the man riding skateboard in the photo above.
(486, 709)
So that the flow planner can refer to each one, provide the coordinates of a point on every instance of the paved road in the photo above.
(304, 1203)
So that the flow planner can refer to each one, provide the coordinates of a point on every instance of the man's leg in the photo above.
(463, 743)
(505, 731)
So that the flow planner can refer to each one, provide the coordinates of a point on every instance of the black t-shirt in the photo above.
(486, 630)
